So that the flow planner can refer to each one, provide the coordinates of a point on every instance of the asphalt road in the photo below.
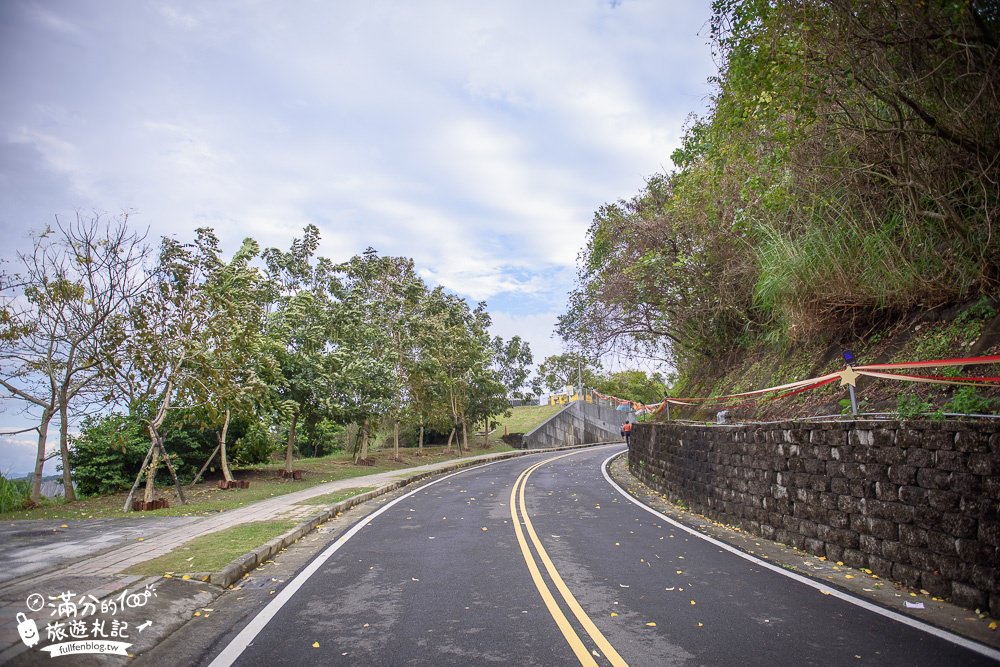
(540, 560)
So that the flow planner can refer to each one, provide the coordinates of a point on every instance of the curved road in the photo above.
(541, 560)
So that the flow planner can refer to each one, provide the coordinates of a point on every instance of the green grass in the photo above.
(336, 496)
(525, 418)
(206, 498)
(211, 553)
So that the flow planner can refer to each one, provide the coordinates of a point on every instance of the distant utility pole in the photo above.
(579, 373)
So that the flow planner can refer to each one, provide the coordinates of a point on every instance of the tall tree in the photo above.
(150, 364)
(78, 281)
(234, 364)
(385, 294)
(302, 323)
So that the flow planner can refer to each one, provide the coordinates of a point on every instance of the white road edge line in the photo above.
(864, 604)
(240, 642)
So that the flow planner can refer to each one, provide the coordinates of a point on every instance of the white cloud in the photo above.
(476, 138)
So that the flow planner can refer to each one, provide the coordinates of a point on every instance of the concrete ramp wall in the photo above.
(577, 424)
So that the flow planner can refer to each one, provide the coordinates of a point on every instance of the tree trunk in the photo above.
(291, 443)
(465, 436)
(363, 454)
(36, 480)
(395, 440)
(486, 434)
(151, 472)
(420, 440)
(68, 492)
(173, 473)
(228, 476)
(451, 435)
(138, 478)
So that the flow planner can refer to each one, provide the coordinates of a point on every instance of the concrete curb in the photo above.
(251, 560)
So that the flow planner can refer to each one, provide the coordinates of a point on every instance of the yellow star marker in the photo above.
(849, 376)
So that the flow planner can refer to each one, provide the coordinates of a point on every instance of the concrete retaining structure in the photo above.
(576, 424)
(917, 502)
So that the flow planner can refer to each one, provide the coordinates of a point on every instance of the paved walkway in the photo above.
(88, 557)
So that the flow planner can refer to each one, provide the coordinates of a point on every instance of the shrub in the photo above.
(968, 401)
(14, 493)
(107, 454)
(911, 406)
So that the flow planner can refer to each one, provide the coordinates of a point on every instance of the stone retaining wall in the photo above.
(916, 502)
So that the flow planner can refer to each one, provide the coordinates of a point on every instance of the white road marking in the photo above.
(864, 604)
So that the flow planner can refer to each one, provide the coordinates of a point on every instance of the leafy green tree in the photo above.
(558, 371)
(383, 295)
(512, 364)
(150, 361)
(301, 326)
(234, 365)
(634, 385)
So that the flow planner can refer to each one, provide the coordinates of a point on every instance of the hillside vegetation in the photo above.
(844, 182)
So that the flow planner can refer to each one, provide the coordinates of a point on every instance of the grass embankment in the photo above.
(524, 419)
(211, 553)
(206, 498)
(961, 332)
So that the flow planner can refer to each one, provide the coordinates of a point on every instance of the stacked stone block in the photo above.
(916, 502)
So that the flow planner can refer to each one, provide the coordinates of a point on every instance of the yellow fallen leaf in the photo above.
(848, 576)
(692, 603)
(913, 595)
(64, 526)
(993, 625)
(197, 613)
(680, 572)
(186, 577)
(141, 539)
(613, 614)
(840, 562)
(825, 592)
(484, 528)
(315, 644)
(651, 624)
(701, 625)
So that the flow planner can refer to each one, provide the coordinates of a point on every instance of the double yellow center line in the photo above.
(572, 638)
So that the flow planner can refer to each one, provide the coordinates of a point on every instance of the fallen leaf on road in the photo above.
(315, 644)
(484, 529)
(701, 625)
(414, 579)
(615, 613)
(64, 526)
(692, 603)
(993, 625)
(848, 576)
(669, 589)
(186, 577)
(651, 624)
(623, 585)
(824, 592)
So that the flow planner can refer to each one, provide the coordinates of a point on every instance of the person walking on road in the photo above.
(627, 432)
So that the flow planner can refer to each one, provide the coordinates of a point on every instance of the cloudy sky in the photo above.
(476, 137)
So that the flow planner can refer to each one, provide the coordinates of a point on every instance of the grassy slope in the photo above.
(926, 336)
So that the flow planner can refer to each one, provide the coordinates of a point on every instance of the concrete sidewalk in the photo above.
(48, 558)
